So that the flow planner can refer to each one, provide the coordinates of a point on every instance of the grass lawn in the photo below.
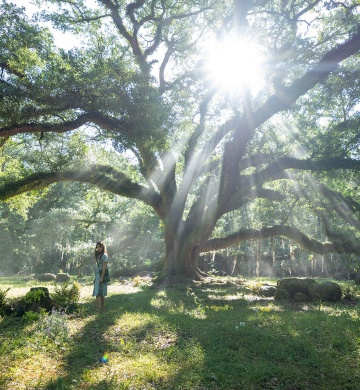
(183, 336)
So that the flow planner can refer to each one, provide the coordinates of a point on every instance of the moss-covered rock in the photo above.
(327, 292)
(299, 297)
(281, 295)
(295, 285)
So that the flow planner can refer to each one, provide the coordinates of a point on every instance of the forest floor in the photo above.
(214, 335)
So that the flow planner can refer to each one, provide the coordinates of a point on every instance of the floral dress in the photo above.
(100, 289)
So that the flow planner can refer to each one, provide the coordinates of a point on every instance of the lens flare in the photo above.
(105, 358)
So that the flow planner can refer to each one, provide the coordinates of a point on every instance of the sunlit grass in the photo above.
(187, 337)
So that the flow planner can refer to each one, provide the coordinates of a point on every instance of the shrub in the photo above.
(3, 300)
(34, 296)
(66, 295)
(137, 281)
(255, 287)
(350, 293)
(32, 316)
(36, 299)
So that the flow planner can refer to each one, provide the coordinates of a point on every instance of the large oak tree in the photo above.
(138, 84)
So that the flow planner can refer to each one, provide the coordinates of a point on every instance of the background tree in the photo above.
(142, 85)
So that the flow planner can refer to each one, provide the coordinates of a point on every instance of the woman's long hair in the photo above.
(103, 250)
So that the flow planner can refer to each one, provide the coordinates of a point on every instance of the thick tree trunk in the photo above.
(181, 258)
(258, 257)
(80, 269)
(233, 265)
(273, 256)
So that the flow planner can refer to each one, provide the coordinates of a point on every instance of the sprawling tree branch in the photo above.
(105, 122)
(275, 170)
(163, 85)
(114, 9)
(5, 66)
(282, 100)
(141, 54)
(3, 141)
(104, 177)
(284, 163)
(190, 149)
(341, 246)
(278, 102)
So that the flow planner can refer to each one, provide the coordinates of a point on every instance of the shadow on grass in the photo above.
(226, 345)
(90, 344)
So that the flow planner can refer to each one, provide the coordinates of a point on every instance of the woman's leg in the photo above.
(102, 304)
(98, 303)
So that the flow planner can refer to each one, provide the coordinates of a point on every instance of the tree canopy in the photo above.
(135, 108)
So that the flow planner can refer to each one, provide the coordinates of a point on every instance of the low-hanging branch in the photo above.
(342, 245)
(104, 177)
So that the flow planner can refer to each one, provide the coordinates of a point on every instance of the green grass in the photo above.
(186, 337)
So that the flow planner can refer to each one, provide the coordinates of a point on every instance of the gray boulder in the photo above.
(267, 291)
(47, 277)
(62, 278)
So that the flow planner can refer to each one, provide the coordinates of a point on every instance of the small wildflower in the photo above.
(54, 326)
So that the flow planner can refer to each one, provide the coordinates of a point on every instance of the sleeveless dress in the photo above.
(100, 289)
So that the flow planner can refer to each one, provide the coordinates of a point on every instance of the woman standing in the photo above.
(100, 288)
